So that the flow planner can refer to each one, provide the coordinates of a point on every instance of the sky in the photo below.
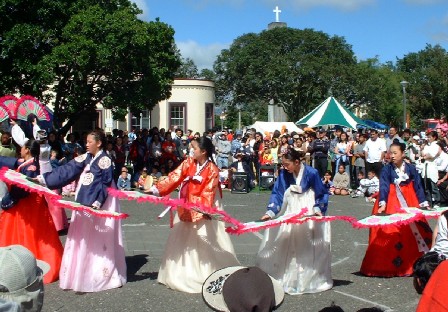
(387, 29)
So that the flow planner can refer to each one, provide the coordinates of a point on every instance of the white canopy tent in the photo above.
(271, 126)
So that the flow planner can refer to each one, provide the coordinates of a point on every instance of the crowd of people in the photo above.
(391, 170)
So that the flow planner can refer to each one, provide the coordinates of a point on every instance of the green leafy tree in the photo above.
(187, 69)
(295, 68)
(76, 54)
(427, 74)
(377, 89)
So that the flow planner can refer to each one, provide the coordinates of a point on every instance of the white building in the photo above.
(191, 106)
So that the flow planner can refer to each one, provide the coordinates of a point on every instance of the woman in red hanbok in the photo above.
(393, 249)
(196, 246)
(26, 219)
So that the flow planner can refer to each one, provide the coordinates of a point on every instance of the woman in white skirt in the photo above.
(298, 255)
(197, 246)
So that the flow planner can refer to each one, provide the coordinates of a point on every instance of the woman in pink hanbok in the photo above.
(94, 257)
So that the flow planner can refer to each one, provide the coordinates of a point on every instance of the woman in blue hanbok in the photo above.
(298, 255)
(94, 257)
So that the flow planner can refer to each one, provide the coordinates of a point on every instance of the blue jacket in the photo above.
(310, 179)
(93, 189)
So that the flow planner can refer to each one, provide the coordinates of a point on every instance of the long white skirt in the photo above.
(298, 255)
(195, 250)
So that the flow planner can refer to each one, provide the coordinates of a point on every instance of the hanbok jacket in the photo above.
(196, 188)
(93, 188)
(310, 179)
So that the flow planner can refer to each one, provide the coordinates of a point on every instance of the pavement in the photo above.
(145, 238)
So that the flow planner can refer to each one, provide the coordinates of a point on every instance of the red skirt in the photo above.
(393, 249)
(30, 224)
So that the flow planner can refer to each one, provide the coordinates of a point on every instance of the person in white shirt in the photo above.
(368, 187)
(430, 172)
(375, 151)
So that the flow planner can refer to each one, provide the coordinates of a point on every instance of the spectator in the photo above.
(359, 158)
(368, 187)
(242, 166)
(132, 136)
(318, 150)
(341, 181)
(342, 150)
(223, 148)
(7, 148)
(274, 150)
(21, 278)
(329, 186)
(430, 172)
(124, 181)
(183, 149)
(236, 143)
(155, 147)
(120, 155)
(333, 143)
(54, 160)
(375, 151)
(283, 146)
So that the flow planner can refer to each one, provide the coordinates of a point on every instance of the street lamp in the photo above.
(239, 106)
(404, 83)
(222, 116)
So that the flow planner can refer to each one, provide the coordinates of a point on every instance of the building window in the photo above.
(141, 120)
(209, 116)
(178, 116)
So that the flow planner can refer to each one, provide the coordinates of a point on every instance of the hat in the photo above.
(296, 136)
(321, 130)
(184, 138)
(239, 132)
(416, 137)
(19, 268)
(239, 288)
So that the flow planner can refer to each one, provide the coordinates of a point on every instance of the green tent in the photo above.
(331, 112)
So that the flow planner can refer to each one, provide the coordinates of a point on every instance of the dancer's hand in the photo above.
(265, 218)
(381, 209)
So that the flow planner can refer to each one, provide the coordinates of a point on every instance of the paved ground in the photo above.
(145, 238)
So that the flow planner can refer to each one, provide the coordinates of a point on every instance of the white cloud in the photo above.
(203, 55)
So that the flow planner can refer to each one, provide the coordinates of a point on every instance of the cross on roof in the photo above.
(277, 14)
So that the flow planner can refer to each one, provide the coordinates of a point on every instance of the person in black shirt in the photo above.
(319, 152)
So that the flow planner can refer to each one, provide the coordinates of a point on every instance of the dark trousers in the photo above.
(376, 167)
(321, 165)
(443, 191)
(432, 192)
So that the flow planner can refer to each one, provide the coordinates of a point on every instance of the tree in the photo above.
(377, 87)
(187, 69)
(295, 68)
(427, 74)
(84, 52)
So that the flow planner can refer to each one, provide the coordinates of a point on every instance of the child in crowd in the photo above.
(326, 180)
(329, 186)
(124, 182)
(144, 181)
(341, 181)
(54, 161)
(368, 187)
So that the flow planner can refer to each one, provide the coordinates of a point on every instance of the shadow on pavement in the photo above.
(337, 282)
(134, 264)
